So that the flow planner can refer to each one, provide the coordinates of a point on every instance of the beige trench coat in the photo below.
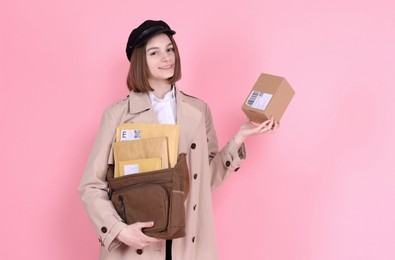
(208, 167)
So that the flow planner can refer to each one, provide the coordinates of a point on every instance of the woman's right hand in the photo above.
(133, 236)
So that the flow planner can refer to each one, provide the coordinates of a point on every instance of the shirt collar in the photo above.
(169, 96)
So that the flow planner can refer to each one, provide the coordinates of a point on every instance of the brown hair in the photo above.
(137, 79)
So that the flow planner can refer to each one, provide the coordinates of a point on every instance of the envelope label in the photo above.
(130, 134)
(259, 100)
(131, 169)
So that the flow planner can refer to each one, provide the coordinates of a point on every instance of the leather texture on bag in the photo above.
(153, 196)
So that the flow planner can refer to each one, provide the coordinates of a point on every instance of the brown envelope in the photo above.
(131, 131)
(155, 147)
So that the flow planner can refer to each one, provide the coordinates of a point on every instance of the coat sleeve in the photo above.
(93, 185)
(224, 161)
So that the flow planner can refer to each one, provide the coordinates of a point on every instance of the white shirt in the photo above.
(165, 109)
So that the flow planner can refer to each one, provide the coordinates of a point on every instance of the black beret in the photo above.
(144, 32)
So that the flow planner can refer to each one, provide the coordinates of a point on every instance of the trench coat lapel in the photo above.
(188, 118)
(140, 109)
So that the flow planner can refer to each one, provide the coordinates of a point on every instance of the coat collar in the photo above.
(140, 108)
(140, 103)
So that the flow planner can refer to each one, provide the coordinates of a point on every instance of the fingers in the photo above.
(266, 126)
(142, 225)
(269, 126)
(271, 123)
(133, 235)
(275, 126)
(144, 237)
(258, 127)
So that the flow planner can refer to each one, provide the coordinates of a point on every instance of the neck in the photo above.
(160, 88)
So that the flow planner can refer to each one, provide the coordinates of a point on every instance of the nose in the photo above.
(165, 56)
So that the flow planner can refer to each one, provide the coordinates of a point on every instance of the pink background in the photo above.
(322, 188)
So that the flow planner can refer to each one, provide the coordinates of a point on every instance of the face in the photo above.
(160, 58)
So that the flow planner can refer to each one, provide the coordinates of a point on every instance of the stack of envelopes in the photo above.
(145, 147)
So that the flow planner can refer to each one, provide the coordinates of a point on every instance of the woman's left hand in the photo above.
(249, 128)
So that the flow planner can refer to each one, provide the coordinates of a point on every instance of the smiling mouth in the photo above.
(166, 67)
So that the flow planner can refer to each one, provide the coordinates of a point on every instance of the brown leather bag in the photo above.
(153, 196)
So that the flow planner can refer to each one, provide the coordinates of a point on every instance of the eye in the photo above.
(153, 53)
(170, 49)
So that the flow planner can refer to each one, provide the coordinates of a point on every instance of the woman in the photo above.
(154, 69)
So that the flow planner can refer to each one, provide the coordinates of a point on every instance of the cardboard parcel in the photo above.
(270, 96)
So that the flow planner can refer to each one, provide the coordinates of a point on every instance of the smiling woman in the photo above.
(154, 98)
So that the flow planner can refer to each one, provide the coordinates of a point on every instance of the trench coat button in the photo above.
(237, 169)
(193, 145)
(193, 240)
(195, 176)
(194, 207)
(139, 251)
(227, 163)
(104, 229)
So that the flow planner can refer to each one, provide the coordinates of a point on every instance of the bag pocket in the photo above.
(151, 202)
(177, 209)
